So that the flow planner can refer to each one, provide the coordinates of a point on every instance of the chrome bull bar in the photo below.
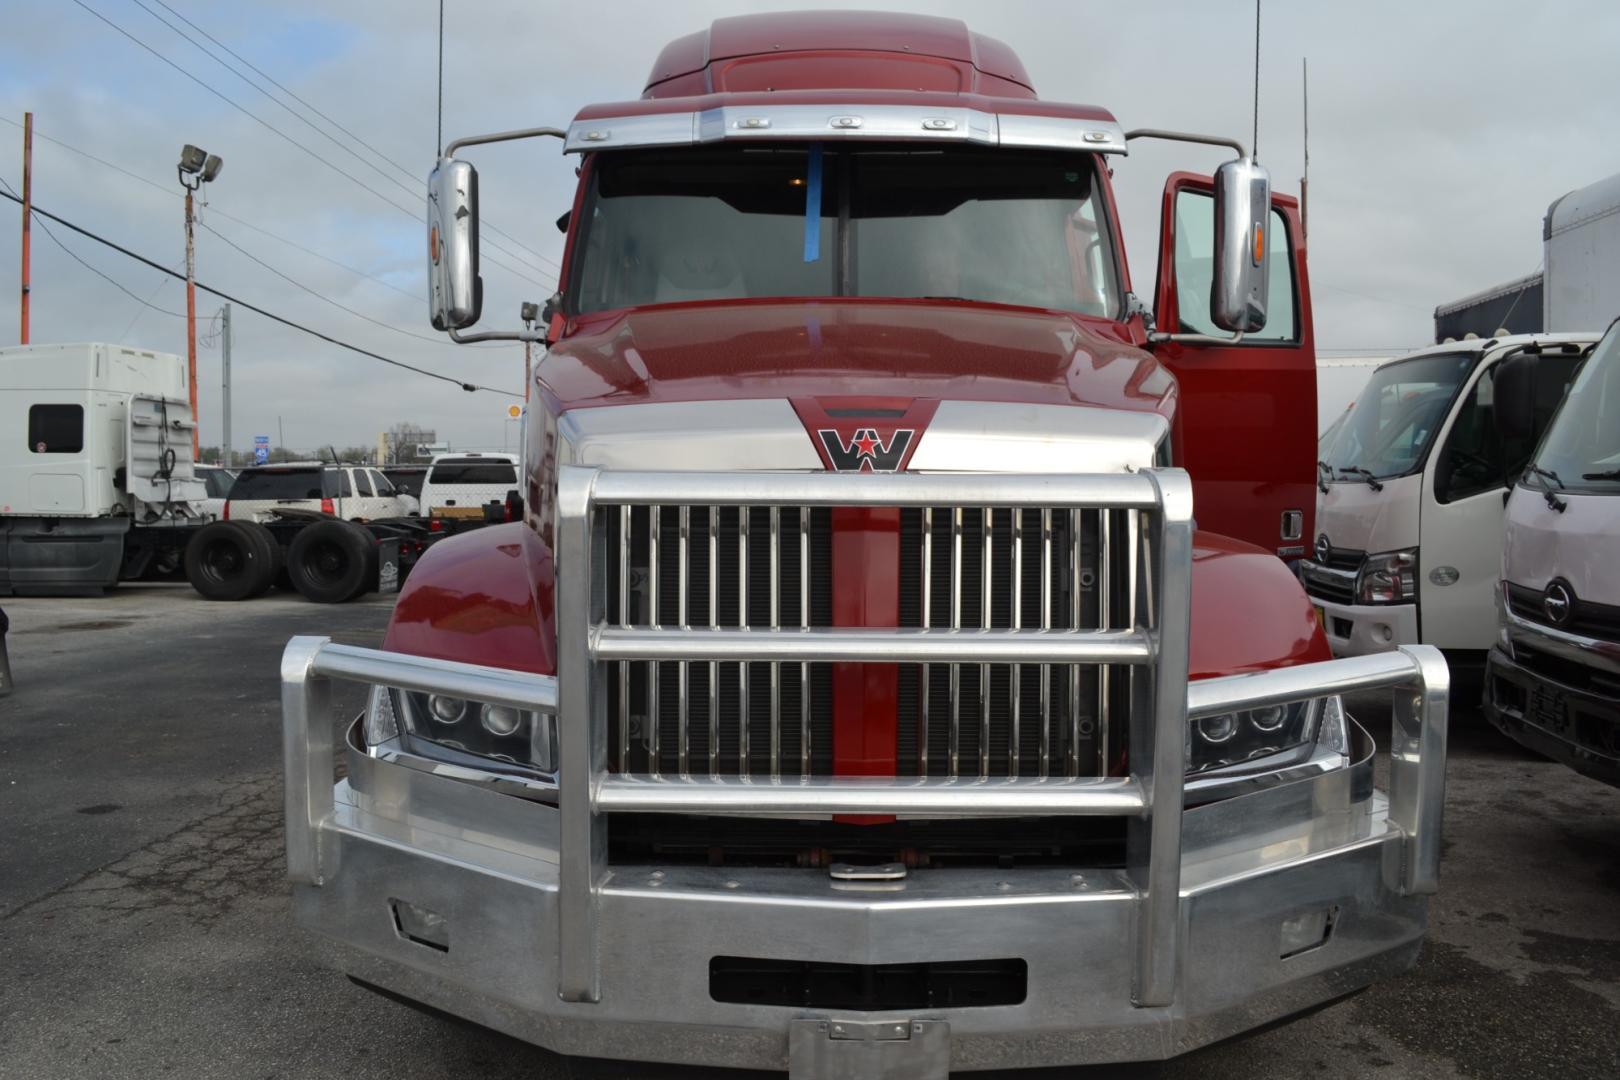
(1163, 703)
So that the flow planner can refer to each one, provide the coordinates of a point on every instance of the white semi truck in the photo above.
(96, 472)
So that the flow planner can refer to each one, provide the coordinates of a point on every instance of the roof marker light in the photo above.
(1095, 136)
(845, 122)
(754, 122)
(939, 123)
(599, 135)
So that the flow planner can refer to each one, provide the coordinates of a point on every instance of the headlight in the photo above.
(1389, 578)
(1233, 738)
(457, 730)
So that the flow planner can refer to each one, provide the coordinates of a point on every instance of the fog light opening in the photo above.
(1307, 930)
(420, 925)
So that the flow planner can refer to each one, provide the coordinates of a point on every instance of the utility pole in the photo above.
(225, 380)
(201, 167)
(28, 213)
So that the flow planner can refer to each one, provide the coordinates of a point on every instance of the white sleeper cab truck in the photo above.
(1411, 490)
(1553, 680)
(96, 476)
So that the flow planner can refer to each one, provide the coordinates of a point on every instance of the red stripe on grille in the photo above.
(865, 592)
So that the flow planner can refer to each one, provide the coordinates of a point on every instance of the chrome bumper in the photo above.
(549, 940)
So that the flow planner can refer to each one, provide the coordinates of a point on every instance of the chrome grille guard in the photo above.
(1155, 649)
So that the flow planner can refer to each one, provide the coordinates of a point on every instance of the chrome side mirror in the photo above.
(455, 291)
(1237, 300)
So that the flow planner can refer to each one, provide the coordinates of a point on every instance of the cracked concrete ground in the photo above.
(144, 924)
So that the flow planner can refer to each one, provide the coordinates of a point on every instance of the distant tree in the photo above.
(362, 454)
(209, 455)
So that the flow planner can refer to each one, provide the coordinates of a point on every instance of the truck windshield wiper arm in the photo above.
(1546, 491)
(1611, 474)
(1365, 474)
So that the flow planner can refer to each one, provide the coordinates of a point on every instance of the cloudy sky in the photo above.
(1439, 134)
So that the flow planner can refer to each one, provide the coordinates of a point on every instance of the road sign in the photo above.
(261, 449)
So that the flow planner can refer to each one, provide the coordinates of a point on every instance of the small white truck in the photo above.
(96, 473)
(1411, 491)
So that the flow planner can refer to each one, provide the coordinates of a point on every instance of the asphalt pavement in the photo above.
(145, 930)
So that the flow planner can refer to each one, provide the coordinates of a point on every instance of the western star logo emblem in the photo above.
(866, 452)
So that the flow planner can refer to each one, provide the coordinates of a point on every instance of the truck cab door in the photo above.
(1462, 502)
(1245, 428)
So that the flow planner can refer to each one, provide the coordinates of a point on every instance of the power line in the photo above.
(316, 293)
(288, 138)
(255, 308)
(76, 258)
(212, 209)
(350, 133)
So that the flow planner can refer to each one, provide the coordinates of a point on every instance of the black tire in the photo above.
(331, 562)
(225, 561)
(268, 551)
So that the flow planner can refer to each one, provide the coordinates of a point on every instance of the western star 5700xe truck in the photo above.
(857, 695)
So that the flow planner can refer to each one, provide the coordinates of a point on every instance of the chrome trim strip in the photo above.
(923, 123)
(1076, 566)
(986, 568)
(713, 519)
(927, 623)
(624, 620)
(804, 623)
(939, 797)
(687, 435)
(655, 711)
(823, 488)
(1046, 624)
(1015, 671)
(776, 624)
(881, 645)
(683, 743)
(955, 746)
(742, 621)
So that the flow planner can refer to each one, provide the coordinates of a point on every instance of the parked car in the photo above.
(407, 479)
(352, 492)
(461, 485)
(218, 481)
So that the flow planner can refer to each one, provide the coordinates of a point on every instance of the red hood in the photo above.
(923, 349)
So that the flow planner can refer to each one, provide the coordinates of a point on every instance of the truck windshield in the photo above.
(1388, 430)
(719, 223)
(1583, 445)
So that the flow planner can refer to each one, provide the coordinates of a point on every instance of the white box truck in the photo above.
(96, 470)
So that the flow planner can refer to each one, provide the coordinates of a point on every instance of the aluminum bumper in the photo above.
(495, 868)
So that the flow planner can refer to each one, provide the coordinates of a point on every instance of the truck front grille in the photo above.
(959, 567)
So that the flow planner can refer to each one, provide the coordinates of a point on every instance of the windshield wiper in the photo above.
(1546, 491)
(1611, 474)
(1365, 474)
(1322, 467)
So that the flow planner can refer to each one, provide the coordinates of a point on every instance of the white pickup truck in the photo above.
(1411, 493)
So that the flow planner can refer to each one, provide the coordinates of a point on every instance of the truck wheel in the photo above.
(225, 562)
(331, 561)
(269, 553)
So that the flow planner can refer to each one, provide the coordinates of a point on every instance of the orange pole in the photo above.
(28, 215)
(191, 330)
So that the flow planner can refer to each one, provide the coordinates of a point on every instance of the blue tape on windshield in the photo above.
(812, 206)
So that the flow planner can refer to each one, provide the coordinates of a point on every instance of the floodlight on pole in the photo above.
(196, 168)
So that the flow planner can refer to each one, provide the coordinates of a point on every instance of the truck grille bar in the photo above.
(1024, 573)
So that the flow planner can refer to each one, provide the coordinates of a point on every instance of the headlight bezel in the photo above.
(404, 720)
(1388, 577)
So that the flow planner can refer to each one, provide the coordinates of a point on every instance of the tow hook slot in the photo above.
(869, 1050)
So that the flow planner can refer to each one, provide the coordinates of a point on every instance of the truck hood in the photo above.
(1576, 545)
(1353, 515)
(936, 350)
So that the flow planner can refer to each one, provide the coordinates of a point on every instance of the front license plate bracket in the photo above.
(869, 1049)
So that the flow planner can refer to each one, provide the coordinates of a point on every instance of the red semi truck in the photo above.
(858, 695)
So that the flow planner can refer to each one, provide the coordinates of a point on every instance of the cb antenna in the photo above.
(1255, 142)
